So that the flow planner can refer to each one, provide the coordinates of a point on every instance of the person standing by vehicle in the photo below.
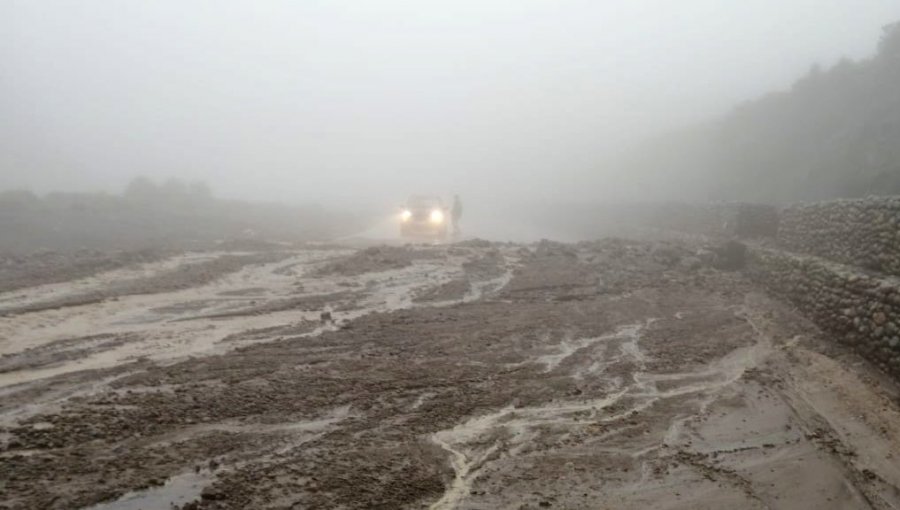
(456, 214)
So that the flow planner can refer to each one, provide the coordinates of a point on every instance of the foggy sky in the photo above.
(370, 100)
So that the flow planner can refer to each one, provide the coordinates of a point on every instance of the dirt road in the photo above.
(479, 376)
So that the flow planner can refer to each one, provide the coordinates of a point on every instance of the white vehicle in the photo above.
(424, 217)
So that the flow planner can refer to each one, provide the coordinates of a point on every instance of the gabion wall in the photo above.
(861, 310)
(864, 233)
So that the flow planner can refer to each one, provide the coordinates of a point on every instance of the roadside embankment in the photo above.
(654, 221)
(861, 309)
(838, 262)
(716, 220)
(862, 232)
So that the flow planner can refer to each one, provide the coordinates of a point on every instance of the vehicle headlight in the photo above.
(406, 215)
(437, 216)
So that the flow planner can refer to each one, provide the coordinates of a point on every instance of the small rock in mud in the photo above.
(731, 256)
(212, 493)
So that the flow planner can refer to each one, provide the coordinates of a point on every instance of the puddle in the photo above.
(177, 491)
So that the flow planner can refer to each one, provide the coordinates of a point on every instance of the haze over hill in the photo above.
(158, 215)
(343, 104)
(835, 133)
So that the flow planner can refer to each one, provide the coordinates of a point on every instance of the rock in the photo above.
(731, 256)
(212, 493)
(706, 256)
(691, 263)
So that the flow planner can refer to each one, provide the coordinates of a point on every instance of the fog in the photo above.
(369, 101)
(449, 254)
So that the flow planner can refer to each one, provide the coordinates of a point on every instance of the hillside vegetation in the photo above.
(835, 133)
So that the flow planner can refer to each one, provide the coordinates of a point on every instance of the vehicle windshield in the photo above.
(424, 202)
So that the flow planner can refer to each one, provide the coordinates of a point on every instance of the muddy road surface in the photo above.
(610, 374)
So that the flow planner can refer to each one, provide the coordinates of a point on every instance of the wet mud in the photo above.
(611, 374)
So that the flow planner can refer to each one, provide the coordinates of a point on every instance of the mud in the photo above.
(190, 273)
(612, 374)
(376, 258)
(20, 271)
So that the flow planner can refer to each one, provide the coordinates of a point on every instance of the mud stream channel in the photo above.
(475, 376)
